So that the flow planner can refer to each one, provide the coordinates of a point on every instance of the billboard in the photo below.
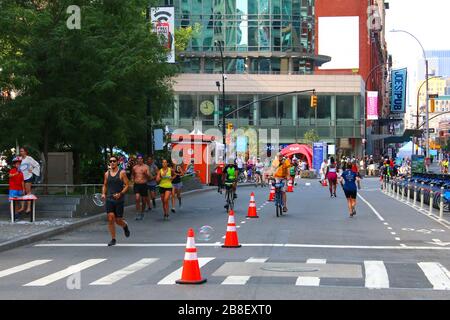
(163, 21)
(319, 154)
(398, 90)
(372, 105)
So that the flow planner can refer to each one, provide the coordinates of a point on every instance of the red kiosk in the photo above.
(195, 148)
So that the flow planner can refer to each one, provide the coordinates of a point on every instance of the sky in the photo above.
(427, 20)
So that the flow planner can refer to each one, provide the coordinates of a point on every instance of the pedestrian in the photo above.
(332, 177)
(164, 178)
(348, 181)
(115, 186)
(219, 173)
(323, 170)
(140, 175)
(177, 184)
(16, 185)
(151, 182)
(30, 169)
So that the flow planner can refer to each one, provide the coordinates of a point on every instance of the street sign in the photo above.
(430, 130)
(433, 96)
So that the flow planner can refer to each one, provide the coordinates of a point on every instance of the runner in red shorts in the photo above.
(331, 175)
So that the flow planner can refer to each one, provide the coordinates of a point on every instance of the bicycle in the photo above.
(278, 200)
(229, 196)
(242, 177)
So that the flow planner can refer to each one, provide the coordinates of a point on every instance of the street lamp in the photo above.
(427, 89)
(219, 44)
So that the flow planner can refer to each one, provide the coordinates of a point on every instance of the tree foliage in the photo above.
(311, 136)
(80, 90)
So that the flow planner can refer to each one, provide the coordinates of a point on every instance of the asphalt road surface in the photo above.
(387, 251)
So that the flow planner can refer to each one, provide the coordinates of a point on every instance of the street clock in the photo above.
(207, 108)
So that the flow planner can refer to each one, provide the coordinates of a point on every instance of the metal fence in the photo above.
(60, 189)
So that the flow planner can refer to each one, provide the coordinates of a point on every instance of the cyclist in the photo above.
(281, 166)
(231, 172)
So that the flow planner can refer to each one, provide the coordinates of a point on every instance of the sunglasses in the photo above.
(112, 161)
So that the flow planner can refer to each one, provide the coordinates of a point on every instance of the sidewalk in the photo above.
(25, 232)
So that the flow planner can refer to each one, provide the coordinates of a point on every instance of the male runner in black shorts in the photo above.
(115, 186)
(140, 174)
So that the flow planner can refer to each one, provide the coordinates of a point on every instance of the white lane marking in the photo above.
(238, 227)
(247, 218)
(22, 267)
(308, 281)
(317, 261)
(397, 238)
(372, 208)
(223, 237)
(64, 273)
(174, 276)
(242, 222)
(393, 233)
(389, 228)
(256, 260)
(287, 245)
(386, 224)
(376, 275)
(438, 276)
(122, 273)
(236, 280)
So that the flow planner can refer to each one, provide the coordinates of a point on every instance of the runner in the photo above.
(348, 182)
(151, 183)
(219, 172)
(140, 174)
(332, 177)
(259, 172)
(292, 170)
(115, 186)
(177, 184)
(164, 178)
(282, 166)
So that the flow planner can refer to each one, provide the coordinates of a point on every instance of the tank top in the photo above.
(332, 168)
(165, 179)
(177, 179)
(114, 185)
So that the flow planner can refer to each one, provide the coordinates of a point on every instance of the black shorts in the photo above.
(115, 207)
(141, 188)
(350, 194)
(164, 190)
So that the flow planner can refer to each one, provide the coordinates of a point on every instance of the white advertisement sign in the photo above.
(163, 21)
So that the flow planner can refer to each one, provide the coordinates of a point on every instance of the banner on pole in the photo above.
(163, 21)
(372, 105)
(398, 90)
(158, 137)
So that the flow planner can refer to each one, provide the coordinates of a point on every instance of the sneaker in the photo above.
(149, 209)
(126, 231)
(112, 243)
(285, 209)
(173, 210)
(335, 195)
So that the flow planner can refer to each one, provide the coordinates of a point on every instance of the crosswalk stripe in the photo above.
(122, 273)
(308, 281)
(256, 260)
(174, 276)
(317, 261)
(22, 267)
(437, 274)
(64, 273)
(236, 280)
(376, 275)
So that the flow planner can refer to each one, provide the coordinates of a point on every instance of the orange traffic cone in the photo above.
(191, 269)
(251, 213)
(324, 183)
(290, 188)
(231, 238)
(272, 193)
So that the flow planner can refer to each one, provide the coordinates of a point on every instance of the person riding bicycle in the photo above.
(231, 171)
(282, 165)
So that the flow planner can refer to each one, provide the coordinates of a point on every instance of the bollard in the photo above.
(398, 190)
(431, 202)
(441, 205)
(415, 196)
(421, 197)
(409, 193)
(402, 190)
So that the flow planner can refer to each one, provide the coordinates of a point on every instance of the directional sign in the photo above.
(433, 96)
(430, 130)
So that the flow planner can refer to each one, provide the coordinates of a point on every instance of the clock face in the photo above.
(207, 107)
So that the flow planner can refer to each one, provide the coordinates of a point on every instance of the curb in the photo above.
(41, 235)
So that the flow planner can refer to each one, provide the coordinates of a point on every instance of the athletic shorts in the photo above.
(31, 180)
(152, 187)
(115, 207)
(332, 176)
(164, 190)
(15, 193)
(350, 194)
(141, 188)
(178, 185)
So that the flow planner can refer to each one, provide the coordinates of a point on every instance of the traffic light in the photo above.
(313, 101)
(230, 126)
(432, 105)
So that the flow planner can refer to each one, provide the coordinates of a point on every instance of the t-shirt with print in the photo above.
(349, 180)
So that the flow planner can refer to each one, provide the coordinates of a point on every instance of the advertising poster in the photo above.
(418, 164)
(372, 105)
(398, 90)
(318, 155)
(163, 20)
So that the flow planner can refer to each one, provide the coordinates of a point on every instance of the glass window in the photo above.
(188, 106)
(304, 110)
(246, 114)
(268, 108)
(191, 65)
(344, 107)
(323, 107)
(230, 6)
(285, 107)
(253, 7)
(264, 65)
(230, 105)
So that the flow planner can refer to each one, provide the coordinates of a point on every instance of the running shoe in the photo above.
(126, 231)
(112, 243)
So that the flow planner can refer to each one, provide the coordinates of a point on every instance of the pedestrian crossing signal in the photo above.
(313, 101)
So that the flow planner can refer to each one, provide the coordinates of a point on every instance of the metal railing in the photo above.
(66, 189)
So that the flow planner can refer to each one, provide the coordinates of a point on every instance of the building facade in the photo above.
(272, 47)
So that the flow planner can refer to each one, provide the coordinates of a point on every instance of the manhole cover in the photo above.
(290, 269)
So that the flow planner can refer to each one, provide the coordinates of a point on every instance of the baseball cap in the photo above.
(16, 159)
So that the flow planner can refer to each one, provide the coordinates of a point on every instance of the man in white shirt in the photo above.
(323, 170)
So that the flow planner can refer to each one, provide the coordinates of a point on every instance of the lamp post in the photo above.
(218, 43)
(427, 90)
